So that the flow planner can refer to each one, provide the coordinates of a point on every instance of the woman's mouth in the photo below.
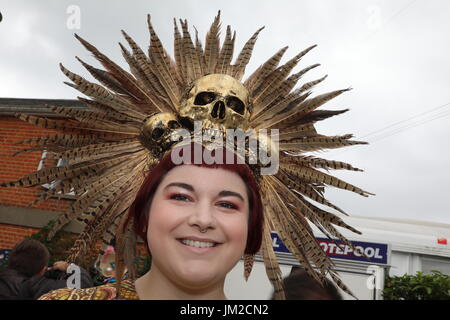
(198, 244)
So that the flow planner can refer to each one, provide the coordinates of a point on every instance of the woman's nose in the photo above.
(203, 217)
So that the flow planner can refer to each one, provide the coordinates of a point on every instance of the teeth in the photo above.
(198, 244)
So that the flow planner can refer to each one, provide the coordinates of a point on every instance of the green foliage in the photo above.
(58, 246)
(434, 286)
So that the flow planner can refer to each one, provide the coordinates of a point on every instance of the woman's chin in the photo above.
(200, 278)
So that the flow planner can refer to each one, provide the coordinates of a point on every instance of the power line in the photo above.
(413, 125)
(399, 122)
(398, 130)
(409, 126)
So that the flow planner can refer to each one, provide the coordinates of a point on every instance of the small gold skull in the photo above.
(219, 101)
(156, 132)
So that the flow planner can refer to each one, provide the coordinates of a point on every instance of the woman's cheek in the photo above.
(159, 222)
(237, 229)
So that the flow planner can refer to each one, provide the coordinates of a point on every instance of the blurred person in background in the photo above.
(27, 275)
(300, 286)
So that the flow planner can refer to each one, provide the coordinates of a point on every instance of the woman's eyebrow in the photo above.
(225, 193)
(222, 193)
(181, 185)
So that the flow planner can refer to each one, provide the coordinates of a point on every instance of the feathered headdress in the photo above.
(112, 145)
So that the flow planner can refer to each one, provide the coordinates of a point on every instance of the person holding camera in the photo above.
(27, 275)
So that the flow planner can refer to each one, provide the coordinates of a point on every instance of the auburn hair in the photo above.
(139, 209)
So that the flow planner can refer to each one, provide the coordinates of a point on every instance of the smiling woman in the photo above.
(197, 221)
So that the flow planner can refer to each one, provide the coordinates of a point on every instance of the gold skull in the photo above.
(156, 132)
(219, 100)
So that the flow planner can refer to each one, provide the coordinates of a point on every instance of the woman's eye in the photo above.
(228, 205)
(179, 197)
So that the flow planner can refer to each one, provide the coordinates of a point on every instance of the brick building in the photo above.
(17, 219)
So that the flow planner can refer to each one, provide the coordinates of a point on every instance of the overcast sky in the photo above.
(394, 54)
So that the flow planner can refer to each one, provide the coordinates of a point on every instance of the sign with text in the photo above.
(368, 252)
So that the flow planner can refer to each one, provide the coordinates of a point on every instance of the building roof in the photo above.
(37, 107)
(406, 235)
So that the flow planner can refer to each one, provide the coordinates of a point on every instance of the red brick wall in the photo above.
(10, 235)
(13, 130)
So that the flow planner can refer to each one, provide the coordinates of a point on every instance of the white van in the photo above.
(395, 247)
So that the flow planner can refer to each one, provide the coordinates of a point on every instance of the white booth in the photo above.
(393, 246)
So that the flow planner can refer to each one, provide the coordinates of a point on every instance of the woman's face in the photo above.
(190, 199)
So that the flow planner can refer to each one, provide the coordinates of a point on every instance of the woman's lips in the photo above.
(198, 244)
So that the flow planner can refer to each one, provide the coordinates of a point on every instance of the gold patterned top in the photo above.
(104, 292)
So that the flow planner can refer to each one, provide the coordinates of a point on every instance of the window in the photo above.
(61, 162)
(435, 263)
